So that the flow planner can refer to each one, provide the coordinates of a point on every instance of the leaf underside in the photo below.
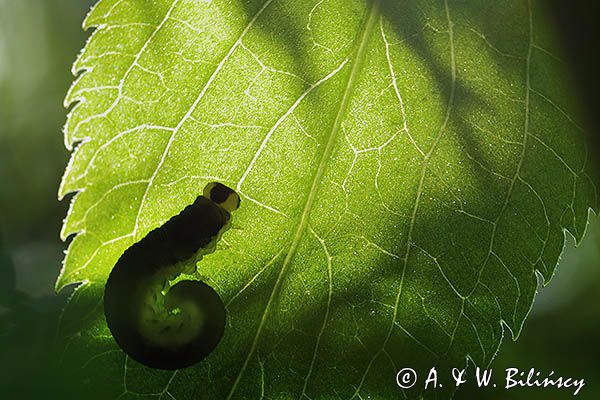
(405, 168)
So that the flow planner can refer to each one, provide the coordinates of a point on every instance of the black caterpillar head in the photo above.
(222, 195)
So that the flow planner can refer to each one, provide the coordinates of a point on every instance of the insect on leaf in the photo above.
(406, 169)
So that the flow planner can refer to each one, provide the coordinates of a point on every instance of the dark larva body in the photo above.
(159, 325)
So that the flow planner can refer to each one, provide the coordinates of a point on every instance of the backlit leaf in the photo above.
(405, 168)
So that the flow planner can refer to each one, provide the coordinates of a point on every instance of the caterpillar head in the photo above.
(223, 196)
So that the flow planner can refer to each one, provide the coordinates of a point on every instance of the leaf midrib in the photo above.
(358, 57)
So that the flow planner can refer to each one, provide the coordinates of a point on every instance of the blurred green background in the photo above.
(39, 40)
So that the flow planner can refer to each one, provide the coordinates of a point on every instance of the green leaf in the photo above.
(406, 169)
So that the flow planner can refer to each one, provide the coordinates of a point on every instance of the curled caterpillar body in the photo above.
(159, 324)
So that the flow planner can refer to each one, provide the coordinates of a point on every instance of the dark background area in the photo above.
(39, 40)
(578, 24)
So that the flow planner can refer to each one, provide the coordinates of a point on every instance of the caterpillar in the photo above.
(157, 319)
